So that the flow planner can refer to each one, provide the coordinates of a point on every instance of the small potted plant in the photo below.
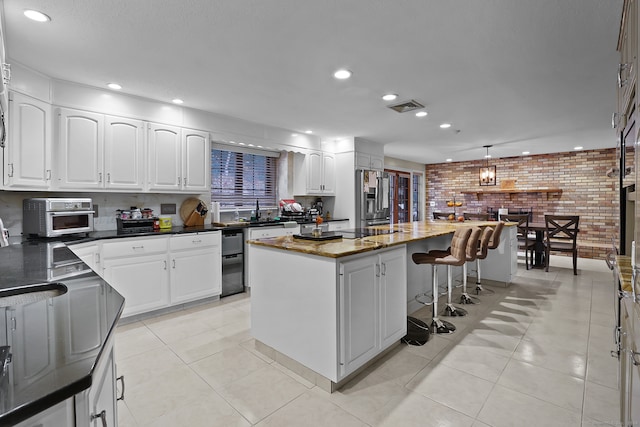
(318, 231)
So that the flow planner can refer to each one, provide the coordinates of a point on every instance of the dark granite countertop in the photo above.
(52, 358)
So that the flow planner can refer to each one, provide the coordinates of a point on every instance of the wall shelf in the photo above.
(512, 191)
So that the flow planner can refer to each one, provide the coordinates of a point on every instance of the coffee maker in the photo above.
(317, 205)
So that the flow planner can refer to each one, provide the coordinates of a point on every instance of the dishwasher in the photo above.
(232, 262)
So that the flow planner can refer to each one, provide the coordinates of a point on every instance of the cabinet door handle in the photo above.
(121, 379)
(179, 180)
(384, 269)
(100, 177)
(634, 359)
(196, 241)
(165, 264)
(137, 247)
(102, 415)
(185, 181)
(174, 263)
(11, 173)
(48, 171)
(108, 176)
(377, 270)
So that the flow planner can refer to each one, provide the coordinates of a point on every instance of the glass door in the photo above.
(400, 183)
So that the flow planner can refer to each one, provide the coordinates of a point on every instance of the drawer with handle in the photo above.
(134, 246)
(194, 240)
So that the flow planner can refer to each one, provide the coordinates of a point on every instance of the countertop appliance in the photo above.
(232, 262)
(372, 198)
(55, 217)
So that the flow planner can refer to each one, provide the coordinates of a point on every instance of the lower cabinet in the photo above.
(373, 306)
(159, 271)
(142, 280)
(338, 225)
(629, 363)
(96, 407)
(194, 273)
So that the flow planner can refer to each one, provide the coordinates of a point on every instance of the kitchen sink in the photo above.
(31, 294)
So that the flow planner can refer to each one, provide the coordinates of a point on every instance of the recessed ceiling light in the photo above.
(36, 16)
(578, 148)
(294, 134)
(421, 113)
(390, 97)
(525, 152)
(177, 101)
(241, 143)
(114, 86)
(342, 74)
(308, 131)
(445, 125)
(449, 160)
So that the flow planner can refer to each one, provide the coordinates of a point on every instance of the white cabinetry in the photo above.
(338, 225)
(178, 159)
(159, 271)
(27, 155)
(96, 407)
(369, 161)
(373, 306)
(96, 151)
(138, 269)
(89, 253)
(314, 174)
(196, 266)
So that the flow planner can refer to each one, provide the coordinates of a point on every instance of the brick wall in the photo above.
(586, 191)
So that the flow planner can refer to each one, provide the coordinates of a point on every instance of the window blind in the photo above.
(239, 179)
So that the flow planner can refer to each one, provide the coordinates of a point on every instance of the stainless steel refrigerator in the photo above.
(372, 198)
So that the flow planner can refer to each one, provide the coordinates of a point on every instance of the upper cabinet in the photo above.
(178, 159)
(314, 174)
(27, 154)
(95, 151)
(369, 161)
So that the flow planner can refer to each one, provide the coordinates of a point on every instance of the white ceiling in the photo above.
(522, 75)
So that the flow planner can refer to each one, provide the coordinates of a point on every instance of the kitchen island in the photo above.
(326, 309)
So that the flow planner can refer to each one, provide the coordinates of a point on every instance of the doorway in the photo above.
(400, 206)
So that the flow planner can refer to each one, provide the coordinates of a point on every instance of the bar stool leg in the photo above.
(479, 287)
(450, 310)
(439, 326)
(465, 298)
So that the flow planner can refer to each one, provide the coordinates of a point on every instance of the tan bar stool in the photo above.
(493, 244)
(457, 257)
(470, 255)
(474, 252)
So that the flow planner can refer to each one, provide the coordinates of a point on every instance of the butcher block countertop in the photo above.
(404, 233)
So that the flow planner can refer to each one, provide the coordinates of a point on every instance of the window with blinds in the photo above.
(239, 179)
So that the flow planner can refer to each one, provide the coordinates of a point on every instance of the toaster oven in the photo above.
(55, 217)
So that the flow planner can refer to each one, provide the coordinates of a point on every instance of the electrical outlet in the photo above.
(167, 208)
(432, 204)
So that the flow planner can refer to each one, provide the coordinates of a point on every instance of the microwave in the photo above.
(55, 217)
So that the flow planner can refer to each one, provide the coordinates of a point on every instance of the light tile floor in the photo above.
(536, 353)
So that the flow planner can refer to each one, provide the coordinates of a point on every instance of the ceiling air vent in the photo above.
(403, 107)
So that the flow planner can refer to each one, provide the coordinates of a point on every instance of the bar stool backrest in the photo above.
(495, 237)
(459, 245)
(472, 244)
(481, 252)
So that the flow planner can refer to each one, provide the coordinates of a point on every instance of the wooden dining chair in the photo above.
(524, 240)
(476, 216)
(562, 236)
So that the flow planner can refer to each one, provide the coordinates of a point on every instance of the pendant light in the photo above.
(487, 173)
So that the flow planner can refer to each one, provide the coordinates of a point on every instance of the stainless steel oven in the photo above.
(54, 217)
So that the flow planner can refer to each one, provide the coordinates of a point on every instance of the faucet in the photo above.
(257, 210)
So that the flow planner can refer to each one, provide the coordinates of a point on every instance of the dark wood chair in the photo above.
(525, 241)
(476, 216)
(562, 236)
(442, 215)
